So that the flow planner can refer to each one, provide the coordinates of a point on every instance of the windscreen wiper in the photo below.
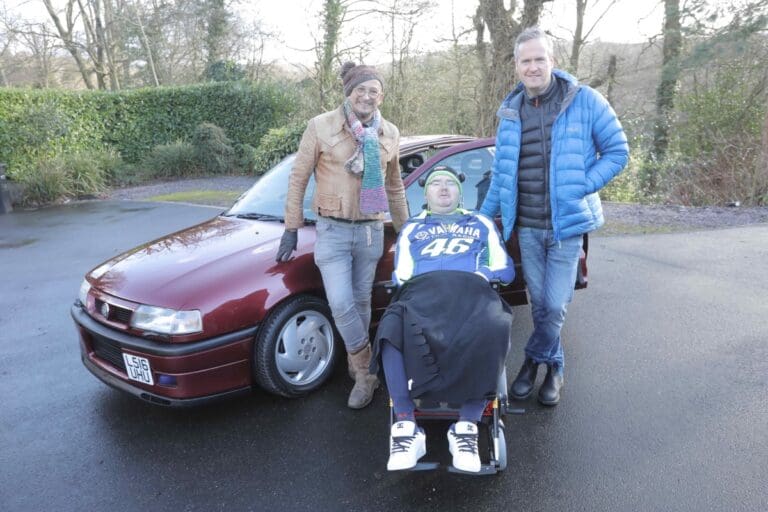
(257, 216)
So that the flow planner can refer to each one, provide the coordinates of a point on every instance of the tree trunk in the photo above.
(498, 72)
(110, 45)
(333, 17)
(611, 77)
(147, 47)
(217, 18)
(91, 16)
(762, 170)
(65, 33)
(578, 36)
(665, 93)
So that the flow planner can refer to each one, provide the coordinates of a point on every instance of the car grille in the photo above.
(107, 350)
(116, 313)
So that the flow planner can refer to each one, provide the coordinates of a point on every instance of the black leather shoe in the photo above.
(549, 393)
(523, 384)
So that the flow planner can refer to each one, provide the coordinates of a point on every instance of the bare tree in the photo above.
(762, 166)
(66, 30)
(336, 15)
(7, 35)
(580, 36)
(96, 17)
(145, 43)
(402, 18)
(457, 74)
(498, 68)
(665, 92)
(253, 50)
(333, 18)
(40, 43)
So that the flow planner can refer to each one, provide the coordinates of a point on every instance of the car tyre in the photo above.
(295, 348)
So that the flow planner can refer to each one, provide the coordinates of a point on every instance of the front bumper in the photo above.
(203, 371)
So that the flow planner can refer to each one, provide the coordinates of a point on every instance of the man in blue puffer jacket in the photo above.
(558, 143)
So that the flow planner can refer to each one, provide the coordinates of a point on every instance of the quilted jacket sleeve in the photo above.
(610, 141)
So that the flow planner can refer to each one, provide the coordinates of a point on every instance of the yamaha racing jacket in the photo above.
(463, 240)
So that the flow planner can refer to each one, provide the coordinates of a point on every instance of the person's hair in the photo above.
(530, 34)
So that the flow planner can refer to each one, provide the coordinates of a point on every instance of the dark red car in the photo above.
(206, 312)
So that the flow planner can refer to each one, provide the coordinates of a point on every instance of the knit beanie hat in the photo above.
(443, 170)
(353, 75)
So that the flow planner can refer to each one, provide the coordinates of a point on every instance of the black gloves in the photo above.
(287, 245)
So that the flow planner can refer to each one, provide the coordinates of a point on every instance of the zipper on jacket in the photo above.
(567, 100)
(545, 160)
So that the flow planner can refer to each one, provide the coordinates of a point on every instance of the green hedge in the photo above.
(41, 124)
(277, 144)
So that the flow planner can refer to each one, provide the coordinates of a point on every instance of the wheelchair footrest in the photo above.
(485, 469)
(425, 466)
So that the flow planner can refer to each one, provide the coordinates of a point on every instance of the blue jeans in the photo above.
(397, 386)
(347, 255)
(549, 269)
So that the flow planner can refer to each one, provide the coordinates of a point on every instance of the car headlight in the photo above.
(82, 295)
(167, 321)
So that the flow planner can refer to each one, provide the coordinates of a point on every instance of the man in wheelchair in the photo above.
(445, 336)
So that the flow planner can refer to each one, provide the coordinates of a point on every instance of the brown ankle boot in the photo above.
(365, 383)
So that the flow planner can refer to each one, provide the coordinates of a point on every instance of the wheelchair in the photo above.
(493, 450)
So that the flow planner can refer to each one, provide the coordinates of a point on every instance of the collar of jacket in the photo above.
(510, 107)
(427, 216)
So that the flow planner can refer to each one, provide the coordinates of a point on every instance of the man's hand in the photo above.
(287, 245)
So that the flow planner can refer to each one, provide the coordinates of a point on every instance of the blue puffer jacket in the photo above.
(589, 148)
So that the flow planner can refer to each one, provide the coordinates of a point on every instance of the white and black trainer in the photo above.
(462, 443)
(407, 444)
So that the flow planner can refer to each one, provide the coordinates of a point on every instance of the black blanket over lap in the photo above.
(453, 330)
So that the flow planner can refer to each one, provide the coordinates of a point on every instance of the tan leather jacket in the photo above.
(325, 147)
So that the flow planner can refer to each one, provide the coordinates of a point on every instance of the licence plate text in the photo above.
(138, 369)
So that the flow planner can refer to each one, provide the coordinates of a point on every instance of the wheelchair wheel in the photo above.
(500, 444)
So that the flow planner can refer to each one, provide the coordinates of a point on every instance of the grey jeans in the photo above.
(347, 255)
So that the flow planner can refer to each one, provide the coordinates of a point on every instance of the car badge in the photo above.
(105, 310)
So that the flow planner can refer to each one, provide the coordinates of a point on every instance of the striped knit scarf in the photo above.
(367, 161)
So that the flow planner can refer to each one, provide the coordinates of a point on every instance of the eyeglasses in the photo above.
(371, 93)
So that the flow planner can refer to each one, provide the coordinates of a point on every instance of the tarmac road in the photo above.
(665, 405)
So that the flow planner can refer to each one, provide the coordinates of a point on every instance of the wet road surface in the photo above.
(664, 406)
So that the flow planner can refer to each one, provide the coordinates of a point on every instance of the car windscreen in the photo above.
(267, 196)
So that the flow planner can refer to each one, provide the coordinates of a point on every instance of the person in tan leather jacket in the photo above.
(353, 153)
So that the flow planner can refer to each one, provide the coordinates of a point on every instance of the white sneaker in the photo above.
(462, 442)
(407, 445)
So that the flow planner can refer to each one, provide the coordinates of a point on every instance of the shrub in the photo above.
(276, 144)
(38, 125)
(246, 157)
(67, 176)
(730, 173)
(89, 171)
(213, 150)
(624, 188)
(45, 183)
(715, 147)
(145, 118)
(174, 160)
